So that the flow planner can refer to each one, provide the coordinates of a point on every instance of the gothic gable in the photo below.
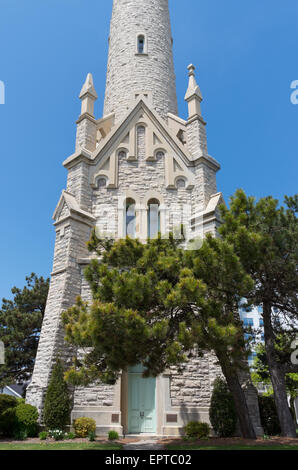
(69, 207)
(142, 134)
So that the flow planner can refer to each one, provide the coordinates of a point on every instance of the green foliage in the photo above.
(56, 413)
(264, 236)
(8, 422)
(17, 418)
(27, 419)
(21, 401)
(269, 418)
(92, 436)
(83, 426)
(113, 435)
(70, 436)
(197, 430)
(222, 410)
(260, 371)
(20, 324)
(20, 434)
(43, 435)
(157, 304)
(57, 434)
(153, 304)
(7, 401)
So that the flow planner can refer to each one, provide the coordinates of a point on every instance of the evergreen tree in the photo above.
(20, 324)
(222, 411)
(265, 237)
(156, 304)
(57, 406)
(260, 370)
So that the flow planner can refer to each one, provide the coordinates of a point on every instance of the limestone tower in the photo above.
(137, 170)
(140, 57)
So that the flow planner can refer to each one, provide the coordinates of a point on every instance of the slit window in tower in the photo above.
(130, 218)
(141, 44)
(153, 218)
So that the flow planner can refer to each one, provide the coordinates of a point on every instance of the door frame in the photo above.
(125, 404)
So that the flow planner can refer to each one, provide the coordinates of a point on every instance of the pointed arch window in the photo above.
(130, 218)
(153, 222)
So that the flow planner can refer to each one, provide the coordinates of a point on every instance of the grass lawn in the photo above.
(232, 447)
(60, 446)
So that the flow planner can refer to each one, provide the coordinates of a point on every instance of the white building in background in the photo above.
(252, 317)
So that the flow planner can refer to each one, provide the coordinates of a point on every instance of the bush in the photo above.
(269, 417)
(6, 401)
(8, 422)
(70, 436)
(43, 435)
(197, 430)
(57, 434)
(83, 426)
(222, 412)
(27, 419)
(21, 401)
(113, 436)
(20, 434)
(92, 436)
(56, 413)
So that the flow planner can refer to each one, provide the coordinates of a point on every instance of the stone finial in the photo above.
(88, 96)
(193, 95)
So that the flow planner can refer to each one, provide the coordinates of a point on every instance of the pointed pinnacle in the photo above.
(88, 87)
(193, 87)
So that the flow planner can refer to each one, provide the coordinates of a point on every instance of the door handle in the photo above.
(142, 414)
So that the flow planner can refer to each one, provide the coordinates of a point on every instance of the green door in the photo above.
(141, 403)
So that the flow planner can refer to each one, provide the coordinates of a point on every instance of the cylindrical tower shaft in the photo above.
(140, 57)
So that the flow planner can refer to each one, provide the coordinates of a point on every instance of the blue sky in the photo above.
(246, 58)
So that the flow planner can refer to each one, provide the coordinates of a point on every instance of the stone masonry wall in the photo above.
(193, 387)
(96, 394)
(129, 72)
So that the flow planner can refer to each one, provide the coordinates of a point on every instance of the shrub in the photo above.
(222, 410)
(92, 436)
(197, 430)
(57, 434)
(43, 435)
(6, 401)
(269, 417)
(83, 426)
(56, 413)
(27, 419)
(21, 401)
(70, 436)
(113, 436)
(8, 422)
(20, 434)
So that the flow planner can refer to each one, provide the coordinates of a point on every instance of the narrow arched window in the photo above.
(141, 44)
(130, 215)
(153, 223)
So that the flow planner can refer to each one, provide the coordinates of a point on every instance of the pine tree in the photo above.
(156, 303)
(20, 324)
(260, 369)
(265, 237)
(57, 406)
